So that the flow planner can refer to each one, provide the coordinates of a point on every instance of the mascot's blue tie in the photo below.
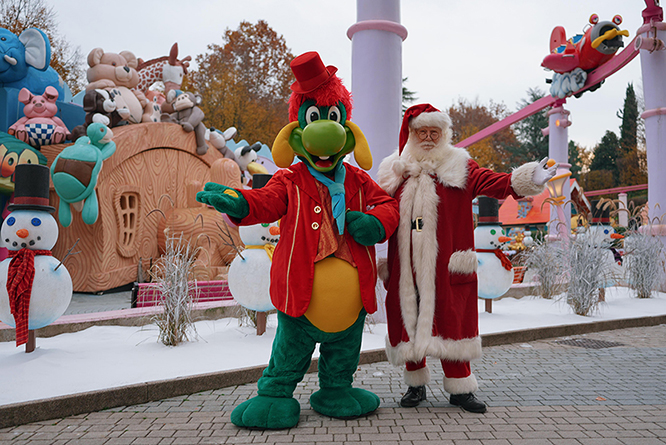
(337, 191)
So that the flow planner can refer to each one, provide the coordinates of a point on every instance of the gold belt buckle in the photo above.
(419, 224)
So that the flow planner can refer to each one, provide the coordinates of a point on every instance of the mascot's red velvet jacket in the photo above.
(300, 208)
(442, 320)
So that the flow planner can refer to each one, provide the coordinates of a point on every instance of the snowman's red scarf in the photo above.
(20, 276)
(499, 254)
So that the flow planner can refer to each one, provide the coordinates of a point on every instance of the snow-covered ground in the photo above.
(109, 356)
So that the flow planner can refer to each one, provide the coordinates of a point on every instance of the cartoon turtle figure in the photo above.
(75, 169)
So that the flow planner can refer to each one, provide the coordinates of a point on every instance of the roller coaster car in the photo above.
(587, 51)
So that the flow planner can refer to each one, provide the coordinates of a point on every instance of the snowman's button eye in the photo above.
(265, 224)
(36, 222)
(11, 220)
(493, 231)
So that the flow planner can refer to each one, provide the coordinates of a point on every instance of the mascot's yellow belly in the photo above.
(336, 295)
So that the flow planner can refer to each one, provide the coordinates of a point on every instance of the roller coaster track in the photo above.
(598, 75)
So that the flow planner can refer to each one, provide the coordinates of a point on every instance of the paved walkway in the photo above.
(602, 388)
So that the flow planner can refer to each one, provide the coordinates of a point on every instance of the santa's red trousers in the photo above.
(452, 370)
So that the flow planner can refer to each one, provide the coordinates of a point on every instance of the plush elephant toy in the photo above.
(24, 62)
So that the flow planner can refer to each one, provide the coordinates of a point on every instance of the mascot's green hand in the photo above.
(365, 229)
(225, 200)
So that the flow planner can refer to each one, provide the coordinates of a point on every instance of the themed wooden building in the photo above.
(155, 167)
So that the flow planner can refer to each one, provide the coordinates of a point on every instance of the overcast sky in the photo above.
(484, 49)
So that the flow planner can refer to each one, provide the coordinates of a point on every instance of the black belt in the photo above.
(417, 224)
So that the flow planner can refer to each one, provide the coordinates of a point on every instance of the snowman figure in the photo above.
(249, 272)
(494, 271)
(601, 232)
(35, 288)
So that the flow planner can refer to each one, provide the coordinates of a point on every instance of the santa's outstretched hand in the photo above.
(544, 171)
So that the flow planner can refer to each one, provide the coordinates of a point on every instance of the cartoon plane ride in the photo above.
(587, 51)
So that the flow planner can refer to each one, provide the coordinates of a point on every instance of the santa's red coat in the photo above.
(431, 300)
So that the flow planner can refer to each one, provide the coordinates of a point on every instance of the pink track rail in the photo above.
(607, 69)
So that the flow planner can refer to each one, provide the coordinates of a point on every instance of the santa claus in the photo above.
(430, 273)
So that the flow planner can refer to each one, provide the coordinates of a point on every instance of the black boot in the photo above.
(414, 396)
(468, 402)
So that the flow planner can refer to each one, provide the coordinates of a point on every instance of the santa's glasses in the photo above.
(434, 134)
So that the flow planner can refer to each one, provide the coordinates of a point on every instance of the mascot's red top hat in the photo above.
(310, 72)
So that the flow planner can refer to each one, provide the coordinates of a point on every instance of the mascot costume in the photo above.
(324, 272)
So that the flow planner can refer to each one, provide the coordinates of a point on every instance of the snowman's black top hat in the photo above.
(600, 213)
(260, 179)
(488, 211)
(31, 188)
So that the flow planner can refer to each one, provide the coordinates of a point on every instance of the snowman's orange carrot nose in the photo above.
(504, 239)
(22, 233)
(274, 230)
(616, 236)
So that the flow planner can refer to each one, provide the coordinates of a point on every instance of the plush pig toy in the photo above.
(39, 126)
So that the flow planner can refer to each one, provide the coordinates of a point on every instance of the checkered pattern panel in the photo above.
(40, 134)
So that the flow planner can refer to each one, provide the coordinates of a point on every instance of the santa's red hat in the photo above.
(422, 115)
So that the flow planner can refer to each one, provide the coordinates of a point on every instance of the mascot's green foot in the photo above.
(344, 403)
(264, 412)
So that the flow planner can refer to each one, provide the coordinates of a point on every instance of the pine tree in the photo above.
(533, 144)
(605, 158)
(408, 96)
(629, 166)
(575, 159)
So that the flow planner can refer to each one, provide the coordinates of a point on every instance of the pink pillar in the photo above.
(653, 66)
(377, 74)
(558, 149)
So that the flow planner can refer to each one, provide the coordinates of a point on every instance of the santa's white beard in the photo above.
(426, 151)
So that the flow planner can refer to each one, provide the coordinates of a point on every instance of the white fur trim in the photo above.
(461, 386)
(464, 350)
(437, 119)
(419, 377)
(389, 174)
(448, 163)
(382, 269)
(463, 262)
(521, 180)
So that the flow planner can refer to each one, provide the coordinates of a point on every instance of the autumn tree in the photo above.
(629, 158)
(469, 118)
(245, 81)
(18, 15)
(533, 144)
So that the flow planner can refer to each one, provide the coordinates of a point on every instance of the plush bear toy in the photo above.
(323, 273)
(117, 74)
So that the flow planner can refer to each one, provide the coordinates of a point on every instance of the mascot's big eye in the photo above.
(36, 222)
(312, 114)
(334, 114)
(11, 220)
(617, 19)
